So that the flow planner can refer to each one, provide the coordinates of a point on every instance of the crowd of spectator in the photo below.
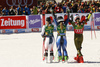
(48, 7)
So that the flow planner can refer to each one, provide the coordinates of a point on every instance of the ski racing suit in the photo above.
(47, 33)
(78, 33)
(61, 41)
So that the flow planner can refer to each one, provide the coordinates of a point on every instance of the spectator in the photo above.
(5, 12)
(83, 9)
(0, 10)
(35, 10)
(86, 11)
(31, 11)
(16, 12)
(11, 11)
(58, 8)
(80, 11)
(48, 9)
(19, 10)
(67, 9)
(64, 8)
(93, 9)
(99, 9)
(72, 7)
(75, 8)
(40, 10)
(53, 7)
(27, 10)
(96, 10)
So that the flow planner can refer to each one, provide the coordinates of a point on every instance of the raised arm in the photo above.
(71, 20)
(66, 19)
(88, 17)
(54, 18)
(85, 20)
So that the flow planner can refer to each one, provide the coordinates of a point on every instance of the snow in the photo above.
(25, 50)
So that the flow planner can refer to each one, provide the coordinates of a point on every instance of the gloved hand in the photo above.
(51, 19)
(65, 17)
(83, 18)
(71, 18)
(88, 16)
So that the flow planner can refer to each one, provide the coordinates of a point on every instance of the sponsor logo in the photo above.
(7, 31)
(87, 27)
(35, 30)
(15, 31)
(11, 22)
(3, 31)
(19, 2)
(97, 19)
(34, 21)
(21, 30)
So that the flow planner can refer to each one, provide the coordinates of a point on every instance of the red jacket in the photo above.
(58, 9)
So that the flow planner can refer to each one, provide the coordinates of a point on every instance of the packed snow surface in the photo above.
(25, 50)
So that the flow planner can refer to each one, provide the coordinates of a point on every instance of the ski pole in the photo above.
(94, 29)
(91, 30)
(43, 48)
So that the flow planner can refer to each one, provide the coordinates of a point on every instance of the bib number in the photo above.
(78, 31)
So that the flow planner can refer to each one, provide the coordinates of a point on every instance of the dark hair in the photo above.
(48, 19)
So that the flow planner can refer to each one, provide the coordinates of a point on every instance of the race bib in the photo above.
(78, 31)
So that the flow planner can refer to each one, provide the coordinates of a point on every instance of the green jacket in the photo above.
(35, 11)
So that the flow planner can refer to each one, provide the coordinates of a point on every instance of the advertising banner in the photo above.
(13, 22)
(19, 31)
(7, 31)
(34, 21)
(97, 19)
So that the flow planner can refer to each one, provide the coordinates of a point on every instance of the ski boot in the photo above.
(65, 58)
(59, 58)
(51, 56)
(80, 59)
(76, 58)
(45, 58)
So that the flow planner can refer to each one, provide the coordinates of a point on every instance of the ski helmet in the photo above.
(60, 19)
(76, 17)
(48, 19)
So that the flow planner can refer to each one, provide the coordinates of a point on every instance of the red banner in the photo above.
(13, 22)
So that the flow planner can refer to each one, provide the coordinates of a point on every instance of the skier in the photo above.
(61, 41)
(78, 33)
(47, 34)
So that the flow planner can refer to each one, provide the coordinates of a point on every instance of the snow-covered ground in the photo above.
(25, 50)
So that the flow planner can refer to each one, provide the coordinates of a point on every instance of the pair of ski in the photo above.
(52, 60)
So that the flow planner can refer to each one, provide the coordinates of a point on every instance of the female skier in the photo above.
(47, 34)
(78, 34)
(61, 41)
